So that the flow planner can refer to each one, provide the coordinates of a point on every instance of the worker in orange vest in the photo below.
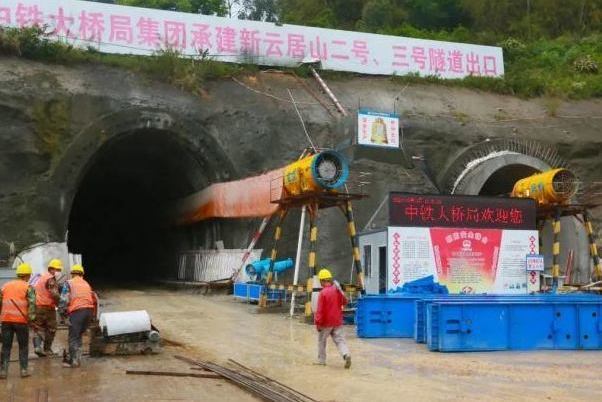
(78, 302)
(17, 310)
(47, 297)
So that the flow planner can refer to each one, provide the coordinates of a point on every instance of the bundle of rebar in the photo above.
(254, 382)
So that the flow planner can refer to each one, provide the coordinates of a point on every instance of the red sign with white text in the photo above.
(416, 210)
(466, 260)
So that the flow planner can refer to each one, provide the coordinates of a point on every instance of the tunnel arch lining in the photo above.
(80, 155)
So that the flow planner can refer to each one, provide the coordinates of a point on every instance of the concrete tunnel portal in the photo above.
(119, 218)
(492, 169)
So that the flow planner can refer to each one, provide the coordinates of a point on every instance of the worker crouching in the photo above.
(329, 318)
(78, 303)
(47, 298)
(18, 306)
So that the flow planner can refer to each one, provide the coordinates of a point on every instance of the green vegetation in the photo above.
(217, 7)
(551, 48)
(185, 73)
(482, 21)
(51, 121)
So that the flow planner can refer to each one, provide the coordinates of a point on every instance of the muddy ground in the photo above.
(218, 328)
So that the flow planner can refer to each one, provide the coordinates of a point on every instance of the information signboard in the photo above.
(415, 210)
(466, 260)
(378, 129)
(535, 262)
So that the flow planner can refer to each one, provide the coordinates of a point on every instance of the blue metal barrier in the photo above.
(514, 325)
(420, 305)
(484, 322)
(390, 316)
(252, 292)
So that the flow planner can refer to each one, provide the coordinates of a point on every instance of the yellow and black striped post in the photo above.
(593, 248)
(312, 260)
(357, 263)
(541, 224)
(263, 300)
(556, 249)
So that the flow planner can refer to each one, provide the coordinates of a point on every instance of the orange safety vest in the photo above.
(81, 295)
(43, 296)
(14, 291)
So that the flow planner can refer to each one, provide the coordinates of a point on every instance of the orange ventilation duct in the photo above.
(246, 198)
(252, 197)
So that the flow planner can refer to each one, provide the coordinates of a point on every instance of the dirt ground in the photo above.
(218, 327)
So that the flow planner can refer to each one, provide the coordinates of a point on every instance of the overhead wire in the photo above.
(302, 122)
(270, 95)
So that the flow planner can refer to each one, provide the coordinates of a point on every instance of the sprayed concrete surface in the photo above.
(218, 328)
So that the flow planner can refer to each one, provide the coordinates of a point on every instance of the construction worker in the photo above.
(18, 309)
(329, 318)
(78, 302)
(47, 298)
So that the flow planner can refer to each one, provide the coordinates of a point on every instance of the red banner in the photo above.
(429, 210)
(466, 260)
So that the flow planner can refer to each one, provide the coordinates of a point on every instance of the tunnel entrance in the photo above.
(493, 167)
(502, 181)
(119, 218)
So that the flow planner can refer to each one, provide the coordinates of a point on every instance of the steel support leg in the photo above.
(312, 260)
(593, 248)
(263, 300)
(556, 250)
(357, 263)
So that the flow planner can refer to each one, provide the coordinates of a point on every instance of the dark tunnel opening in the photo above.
(502, 181)
(119, 220)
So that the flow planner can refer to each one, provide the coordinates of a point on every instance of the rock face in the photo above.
(98, 155)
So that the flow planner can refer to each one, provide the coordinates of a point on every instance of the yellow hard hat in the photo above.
(324, 274)
(77, 269)
(24, 269)
(56, 264)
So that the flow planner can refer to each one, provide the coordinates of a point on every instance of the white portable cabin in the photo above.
(373, 254)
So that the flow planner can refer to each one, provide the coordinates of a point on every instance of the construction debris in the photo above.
(173, 374)
(258, 384)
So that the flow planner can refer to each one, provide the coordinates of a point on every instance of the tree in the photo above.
(307, 12)
(436, 14)
(381, 16)
(209, 7)
(259, 10)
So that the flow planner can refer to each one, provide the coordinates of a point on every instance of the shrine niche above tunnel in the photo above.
(119, 217)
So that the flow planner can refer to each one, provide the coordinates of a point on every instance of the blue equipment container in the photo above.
(252, 291)
(421, 304)
(404, 315)
(259, 269)
(390, 316)
(514, 325)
